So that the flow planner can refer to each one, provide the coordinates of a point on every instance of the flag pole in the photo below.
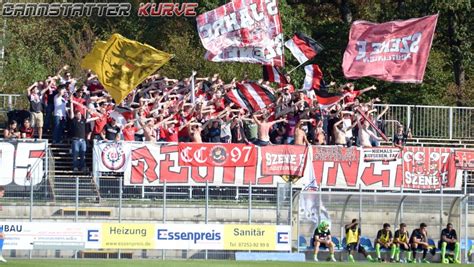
(296, 67)
(193, 96)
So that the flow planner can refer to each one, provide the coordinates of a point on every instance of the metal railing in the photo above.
(10, 101)
(436, 122)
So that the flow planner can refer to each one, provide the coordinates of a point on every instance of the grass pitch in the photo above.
(185, 263)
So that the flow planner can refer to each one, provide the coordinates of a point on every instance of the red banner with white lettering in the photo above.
(395, 51)
(283, 160)
(244, 31)
(464, 159)
(332, 167)
(428, 167)
(228, 155)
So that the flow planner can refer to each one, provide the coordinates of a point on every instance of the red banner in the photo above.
(464, 159)
(244, 31)
(211, 155)
(283, 160)
(427, 167)
(332, 167)
(395, 51)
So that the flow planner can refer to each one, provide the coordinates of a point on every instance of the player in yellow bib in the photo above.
(384, 240)
(353, 233)
(401, 241)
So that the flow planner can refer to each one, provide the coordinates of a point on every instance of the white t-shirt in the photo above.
(225, 129)
(346, 124)
(59, 106)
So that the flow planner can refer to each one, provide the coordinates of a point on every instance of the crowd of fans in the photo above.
(162, 109)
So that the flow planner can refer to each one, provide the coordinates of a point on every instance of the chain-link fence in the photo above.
(193, 206)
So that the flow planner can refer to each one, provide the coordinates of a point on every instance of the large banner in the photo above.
(381, 168)
(22, 163)
(210, 155)
(31, 235)
(395, 51)
(244, 31)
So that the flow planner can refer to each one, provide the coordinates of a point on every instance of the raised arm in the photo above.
(28, 90)
(71, 106)
(383, 112)
(368, 89)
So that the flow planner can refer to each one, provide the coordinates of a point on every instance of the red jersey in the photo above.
(351, 96)
(99, 123)
(129, 133)
(81, 108)
(171, 134)
(28, 131)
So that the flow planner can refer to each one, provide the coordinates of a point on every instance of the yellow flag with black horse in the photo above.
(122, 64)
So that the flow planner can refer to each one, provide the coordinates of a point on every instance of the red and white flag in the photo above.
(303, 47)
(251, 96)
(274, 74)
(326, 99)
(244, 31)
(236, 98)
(313, 78)
(395, 51)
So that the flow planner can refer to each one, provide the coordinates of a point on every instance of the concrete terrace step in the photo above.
(65, 177)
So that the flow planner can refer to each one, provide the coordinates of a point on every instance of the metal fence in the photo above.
(435, 122)
(166, 204)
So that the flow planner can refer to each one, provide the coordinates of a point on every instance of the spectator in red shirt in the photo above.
(26, 130)
(79, 102)
(129, 131)
(171, 133)
(100, 122)
(351, 95)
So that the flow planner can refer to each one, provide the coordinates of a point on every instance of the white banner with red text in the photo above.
(382, 168)
(22, 163)
(243, 30)
(56, 235)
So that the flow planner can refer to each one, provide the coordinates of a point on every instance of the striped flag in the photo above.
(313, 78)
(303, 47)
(251, 96)
(234, 97)
(274, 74)
(326, 99)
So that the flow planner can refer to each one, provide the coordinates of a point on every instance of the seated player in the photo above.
(352, 240)
(449, 241)
(322, 239)
(401, 243)
(419, 240)
(384, 240)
